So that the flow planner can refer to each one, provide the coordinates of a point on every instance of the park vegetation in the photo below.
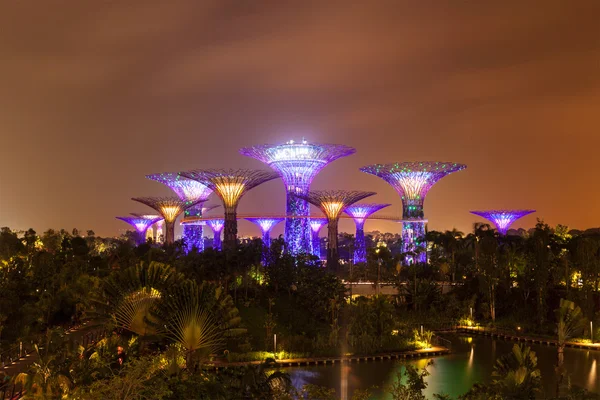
(146, 321)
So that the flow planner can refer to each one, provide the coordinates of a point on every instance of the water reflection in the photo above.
(472, 361)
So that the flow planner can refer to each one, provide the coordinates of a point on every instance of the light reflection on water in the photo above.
(471, 361)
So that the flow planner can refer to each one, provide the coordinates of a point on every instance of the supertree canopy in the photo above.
(360, 212)
(187, 190)
(297, 163)
(141, 225)
(265, 225)
(217, 227)
(315, 225)
(503, 219)
(412, 181)
(169, 208)
(332, 203)
(230, 185)
(158, 224)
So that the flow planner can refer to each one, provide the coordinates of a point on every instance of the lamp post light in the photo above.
(275, 345)
(592, 331)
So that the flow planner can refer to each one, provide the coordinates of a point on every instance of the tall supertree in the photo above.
(360, 212)
(187, 190)
(158, 225)
(503, 219)
(315, 225)
(412, 181)
(169, 208)
(230, 185)
(193, 227)
(297, 163)
(141, 225)
(332, 203)
(265, 225)
(217, 227)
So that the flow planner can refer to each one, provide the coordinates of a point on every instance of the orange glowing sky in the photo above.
(96, 94)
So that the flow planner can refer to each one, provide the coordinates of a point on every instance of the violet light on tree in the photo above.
(265, 225)
(333, 203)
(157, 226)
(230, 185)
(187, 190)
(360, 213)
(169, 208)
(297, 163)
(193, 227)
(503, 219)
(412, 181)
(315, 226)
(217, 227)
(141, 225)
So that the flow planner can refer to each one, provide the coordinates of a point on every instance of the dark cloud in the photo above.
(97, 94)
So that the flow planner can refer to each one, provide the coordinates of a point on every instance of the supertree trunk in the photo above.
(297, 230)
(332, 245)
(217, 241)
(266, 239)
(316, 244)
(360, 251)
(169, 232)
(193, 236)
(230, 229)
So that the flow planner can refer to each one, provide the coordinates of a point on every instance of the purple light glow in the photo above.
(315, 225)
(503, 219)
(297, 163)
(186, 189)
(360, 212)
(265, 225)
(141, 225)
(217, 227)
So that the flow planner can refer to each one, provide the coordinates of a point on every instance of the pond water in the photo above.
(472, 360)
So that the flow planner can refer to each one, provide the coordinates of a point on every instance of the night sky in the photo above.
(94, 95)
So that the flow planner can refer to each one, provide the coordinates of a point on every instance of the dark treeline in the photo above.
(149, 300)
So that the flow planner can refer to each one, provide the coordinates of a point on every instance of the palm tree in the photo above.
(130, 295)
(199, 318)
(569, 322)
(516, 374)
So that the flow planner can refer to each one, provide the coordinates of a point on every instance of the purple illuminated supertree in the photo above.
(217, 227)
(169, 208)
(265, 225)
(360, 212)
(503, 219)
(297, 163)
(193, 227)
(158, 225)
(141, 225)
(187, 190)
(315, 225)
(332, 203)
(412, 181)
(230, 185)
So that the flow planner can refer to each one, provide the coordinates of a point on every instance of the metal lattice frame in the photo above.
(332, 203)
(158, 225)
(503, 219)
(265, 225)
(169, 208)
(230, 185)
(413, 236)
(297, 163)
(217, 227)
(412, 181)
(141, 225)
(315, 226)
(360, 212)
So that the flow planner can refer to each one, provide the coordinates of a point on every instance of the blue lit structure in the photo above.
(503, 219)
(297, 163)
(193, 232)
(360, 212)
(412, 181)
(265, 225)
(192, 191)
(315, 225)
(217, 227)
(141, 225)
